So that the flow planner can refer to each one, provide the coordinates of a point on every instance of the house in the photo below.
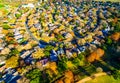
(105, 32)
(68, 53)
(2, 35)
(61, 51)
(28, 5)
(29, 60)
(1, 47)
(19, 40)
(82, 48)
(18, 37)
(95, 42)
(44, 61)
(42, 44)
(16, 32)
(53, 56)
(1, 80)
(2, 68)
(2, 62)
(25, 54)
(9, 78)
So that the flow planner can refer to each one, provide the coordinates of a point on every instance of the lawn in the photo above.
(104, 79)
(109, 0)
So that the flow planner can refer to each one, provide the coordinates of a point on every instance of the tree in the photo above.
(115, 36)
(69, 77)
(77, 62)
(36, 76)
(0, 75)
(12, 62)
(116, 74)
(62, 66)
(38, 54)
(18, 15)
(70, 65)
(6, 26)
(47, 50)
(33, 74)
(81, 56)
(53, 67)
(60, 37)
(13, 52)
(95, 55)
(108, 41)
(59, 81)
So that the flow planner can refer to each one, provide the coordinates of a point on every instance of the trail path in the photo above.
(90, 77)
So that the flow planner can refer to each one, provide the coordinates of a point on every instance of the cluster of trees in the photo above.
(38, 54)
(12, 62)
(96, 55)
(47, 50)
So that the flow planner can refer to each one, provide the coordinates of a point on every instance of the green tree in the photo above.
(6, 26)
(10, 34)
(117, 27)
(76, 61)
(108, 41)
(81, 56)
(36, 80)
(62, 66)
(0, 75)
(18, 15)
(116, 74)
(35, 76)
(47, 50)
(59, 36)
(13, 52)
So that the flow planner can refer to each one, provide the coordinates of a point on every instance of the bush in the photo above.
(99, 69)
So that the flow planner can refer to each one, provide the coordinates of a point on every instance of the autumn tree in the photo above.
(59, 81)
(69, 77)
(12, 62)
(53, 67)
(95, 55)
(38, 54)
(115, 36)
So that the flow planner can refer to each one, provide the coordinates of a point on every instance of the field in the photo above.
(104, 79)
(109, 0)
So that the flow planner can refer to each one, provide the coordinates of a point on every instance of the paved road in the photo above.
(27, 28)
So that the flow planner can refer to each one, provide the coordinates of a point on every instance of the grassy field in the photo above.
(104, 79)
(109, 0)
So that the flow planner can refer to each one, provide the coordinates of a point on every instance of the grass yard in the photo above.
(104, 79)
